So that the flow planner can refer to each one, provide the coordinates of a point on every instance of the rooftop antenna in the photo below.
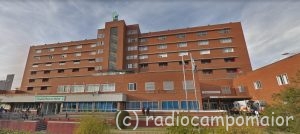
(115, 16)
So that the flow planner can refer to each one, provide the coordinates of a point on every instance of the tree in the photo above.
(287, 103)
(92, 125)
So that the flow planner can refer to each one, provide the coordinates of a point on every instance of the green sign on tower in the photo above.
(115, 16)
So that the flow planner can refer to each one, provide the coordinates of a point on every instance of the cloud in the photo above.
(270, 28)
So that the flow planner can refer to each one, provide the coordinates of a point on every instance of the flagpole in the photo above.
(183, 64)
(193, 72)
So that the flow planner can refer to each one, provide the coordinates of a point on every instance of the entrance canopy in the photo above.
(227, 97)
(62, 98)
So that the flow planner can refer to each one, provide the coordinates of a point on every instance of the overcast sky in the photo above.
(270, 27)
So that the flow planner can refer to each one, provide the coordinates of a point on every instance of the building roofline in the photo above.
(281, 60)
(180, 29)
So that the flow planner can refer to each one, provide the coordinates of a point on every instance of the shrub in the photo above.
(180, 128)
(121, 117)
(6, 131)
(287, 103)
(92, 125)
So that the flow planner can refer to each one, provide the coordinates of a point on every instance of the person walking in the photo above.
(143, 111)
(148, 111)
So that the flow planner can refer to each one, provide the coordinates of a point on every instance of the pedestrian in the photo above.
(148, 111)
(143, 110)
(256, 113)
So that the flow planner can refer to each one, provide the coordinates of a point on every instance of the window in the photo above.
(225, 40)
(93, 53)
(75, 70)
(207, 71)
(44, 88)
(78, 47)
(61, 63)
(98, 68)
(224, 31)
(129, 66)
(63, 89)
(48, 64)
(149, 86)
(143, 65)
(100, 51)
(163, 64)
(69, 106)
(91, 60)
(130, 32)
(93, 45)
(202, 33)
(203, 52)
(180, 36)
(38, 51)
(168, 85)
(132, 86)
(60, 71)
(93, 88)
(33, 72)
(257, 85)
(133, 105)
(100, 35)
(77, 54)
(35, 65)
(31, 80)
(162, 38)
(51, 49)
(183, 54)
(132, 65)
(205, 61)
(45, 79)
(29, 88)
(231, 70)
(229, 59)
(99, 59)
(76, 61)
(64, 48)
(77, 88)
(131, 57)
(151, 104)
(85, 106)
(50, 57)
(143, 57)
(182, 44)
(191, 105)
(225, 90)
(162, 55)
(189, 85)
(185, 62)
(100, 43)
(64, 56)
(131, 40)
(162, 46)
(132, 48)
(143, 48)
(241, 88)
(91, 69)
(170, 105)
(37, 57)
(228, 50)
(108, 87)
(203, 42)
(143, 40)
(47, 72)
(282, 79)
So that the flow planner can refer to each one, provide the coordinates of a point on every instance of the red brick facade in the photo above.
(121, 55)
(268, 77)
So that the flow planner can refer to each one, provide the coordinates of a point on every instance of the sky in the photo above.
(271, 28)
